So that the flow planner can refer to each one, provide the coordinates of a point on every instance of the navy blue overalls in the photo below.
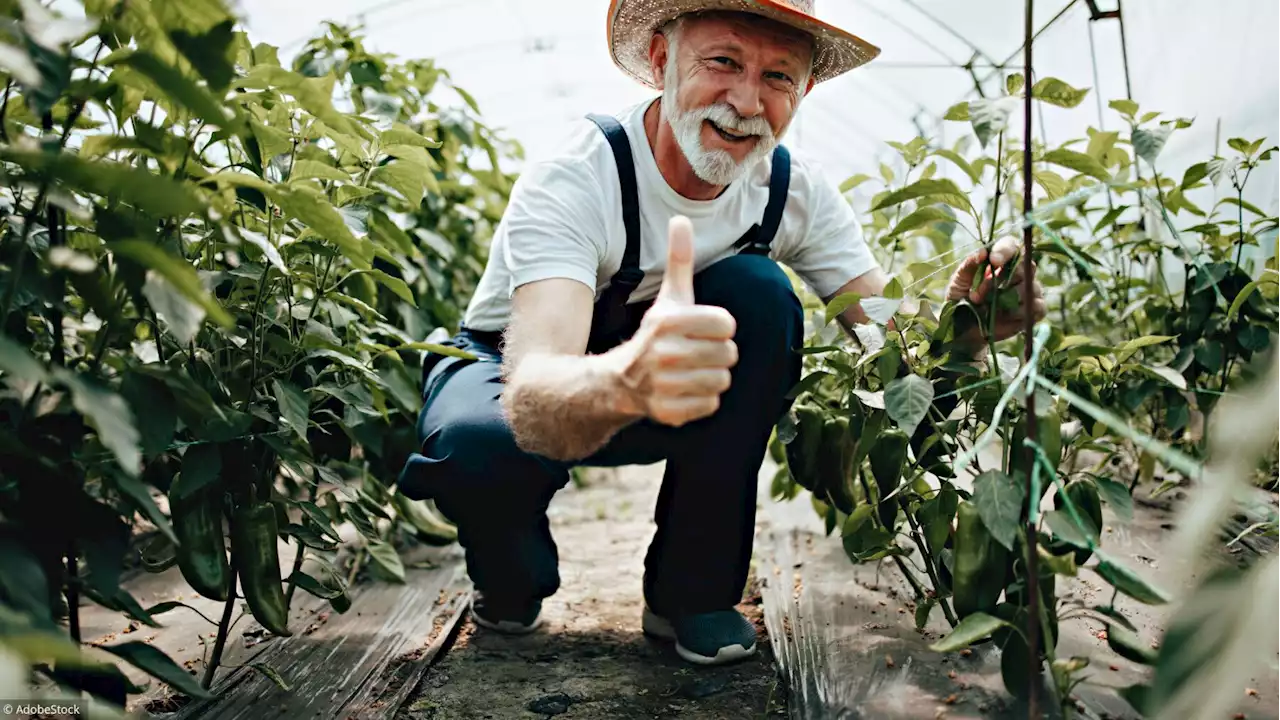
(498, 494)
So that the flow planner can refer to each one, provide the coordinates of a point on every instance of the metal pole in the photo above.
(1028, 331)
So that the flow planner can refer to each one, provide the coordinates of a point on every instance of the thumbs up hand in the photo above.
(676, 366)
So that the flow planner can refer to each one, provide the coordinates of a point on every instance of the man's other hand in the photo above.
(966, 285)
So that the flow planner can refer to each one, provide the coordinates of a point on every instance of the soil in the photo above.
(590, 659)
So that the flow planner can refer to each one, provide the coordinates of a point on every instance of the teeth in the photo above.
(730, 133)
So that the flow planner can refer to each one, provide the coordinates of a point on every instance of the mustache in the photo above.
(725, 116)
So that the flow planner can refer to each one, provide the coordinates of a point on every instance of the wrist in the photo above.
(619, 374)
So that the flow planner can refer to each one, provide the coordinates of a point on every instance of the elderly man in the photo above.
(633, 311)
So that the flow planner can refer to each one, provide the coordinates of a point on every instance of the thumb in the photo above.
(963, 279)
(677, 281)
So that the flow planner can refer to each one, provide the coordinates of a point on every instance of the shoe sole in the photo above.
(659, 627)
(506, 627)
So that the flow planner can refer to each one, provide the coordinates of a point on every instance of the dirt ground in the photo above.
(590, 660)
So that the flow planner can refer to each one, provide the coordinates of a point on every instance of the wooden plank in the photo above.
(358, 664)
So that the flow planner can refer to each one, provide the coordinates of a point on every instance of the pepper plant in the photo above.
(913, 450)
(216, 274)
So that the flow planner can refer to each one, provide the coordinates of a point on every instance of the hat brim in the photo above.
(633, 22)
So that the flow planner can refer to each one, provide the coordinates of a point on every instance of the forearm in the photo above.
(566, 407)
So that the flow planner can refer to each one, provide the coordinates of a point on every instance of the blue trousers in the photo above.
(498, 494)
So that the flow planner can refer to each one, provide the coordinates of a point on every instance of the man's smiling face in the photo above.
(731, 89)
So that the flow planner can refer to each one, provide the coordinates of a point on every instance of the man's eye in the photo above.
(783, 77)
(723, 61)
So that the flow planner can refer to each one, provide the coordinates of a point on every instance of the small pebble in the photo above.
(1102, 634)
(966, 652)
(1251, 692)
(951, 699)
(952, 674)
(888, 661)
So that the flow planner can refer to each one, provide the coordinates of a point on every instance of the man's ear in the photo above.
(658, 58)
(809, 85)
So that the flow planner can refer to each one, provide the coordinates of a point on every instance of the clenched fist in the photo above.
(676, 366)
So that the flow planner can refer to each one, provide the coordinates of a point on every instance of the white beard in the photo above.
(712, 166)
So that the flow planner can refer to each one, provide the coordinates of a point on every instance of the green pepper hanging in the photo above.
(253, 550)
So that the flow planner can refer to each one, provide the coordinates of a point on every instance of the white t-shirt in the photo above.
(564, 220)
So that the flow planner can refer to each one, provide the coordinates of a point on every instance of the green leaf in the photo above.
(1055, 186)
(1128, 582)
(1167, 374)
(1109, 218)
(921, 217)
(990, 117)
(179, 88)
(401, 134)
(907, 400)
(1117, 496)
(1057, 92)
(294, 406)
(158, 665)
(395, 285)
(141, 497)
(1078, 161)
(437, 349)
(1194, 174)
(957, 112)
(314, 586)
(406, 178)
(386, 557)
(313, 209)
(271, 674)
(840, 303)
(181, 317)
(960, 162)
(922, 188)
(1128, 108)
(109, 415)
(1147, 144)
(201, 467)
(1243, 204)
(1064, 527)
(1243, 295)
(269, 251)
(16, 361)
(975, 627)
(153, 405)
(853, 182)
(999, 499)
(181, 275)
(1014, 83)
(304, 169)
(155, 194)
(211, 53)
(1101, 143)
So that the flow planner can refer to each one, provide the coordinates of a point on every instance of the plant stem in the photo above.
(224, 628)
(302, 549)
(73, 594)
(356, 561)
(911, 578)
(929, 567)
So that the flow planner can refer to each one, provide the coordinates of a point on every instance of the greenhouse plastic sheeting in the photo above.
(535, 66)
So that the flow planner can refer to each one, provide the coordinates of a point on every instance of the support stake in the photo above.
(1028, 331)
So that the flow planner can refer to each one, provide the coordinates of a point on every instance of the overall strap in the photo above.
(756, 240)
(609, 318)
(629, 274)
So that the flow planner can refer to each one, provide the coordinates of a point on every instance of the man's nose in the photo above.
(745, 97)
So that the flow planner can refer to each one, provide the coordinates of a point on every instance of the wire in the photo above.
(912, 32)
(950, 30)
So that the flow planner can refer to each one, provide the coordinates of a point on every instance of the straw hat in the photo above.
(633, 22)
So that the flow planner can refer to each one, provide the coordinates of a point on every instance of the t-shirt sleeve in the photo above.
(832, 251)
(555, 224)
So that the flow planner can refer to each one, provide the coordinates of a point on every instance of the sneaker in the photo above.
(710, 638)
(507, 618)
